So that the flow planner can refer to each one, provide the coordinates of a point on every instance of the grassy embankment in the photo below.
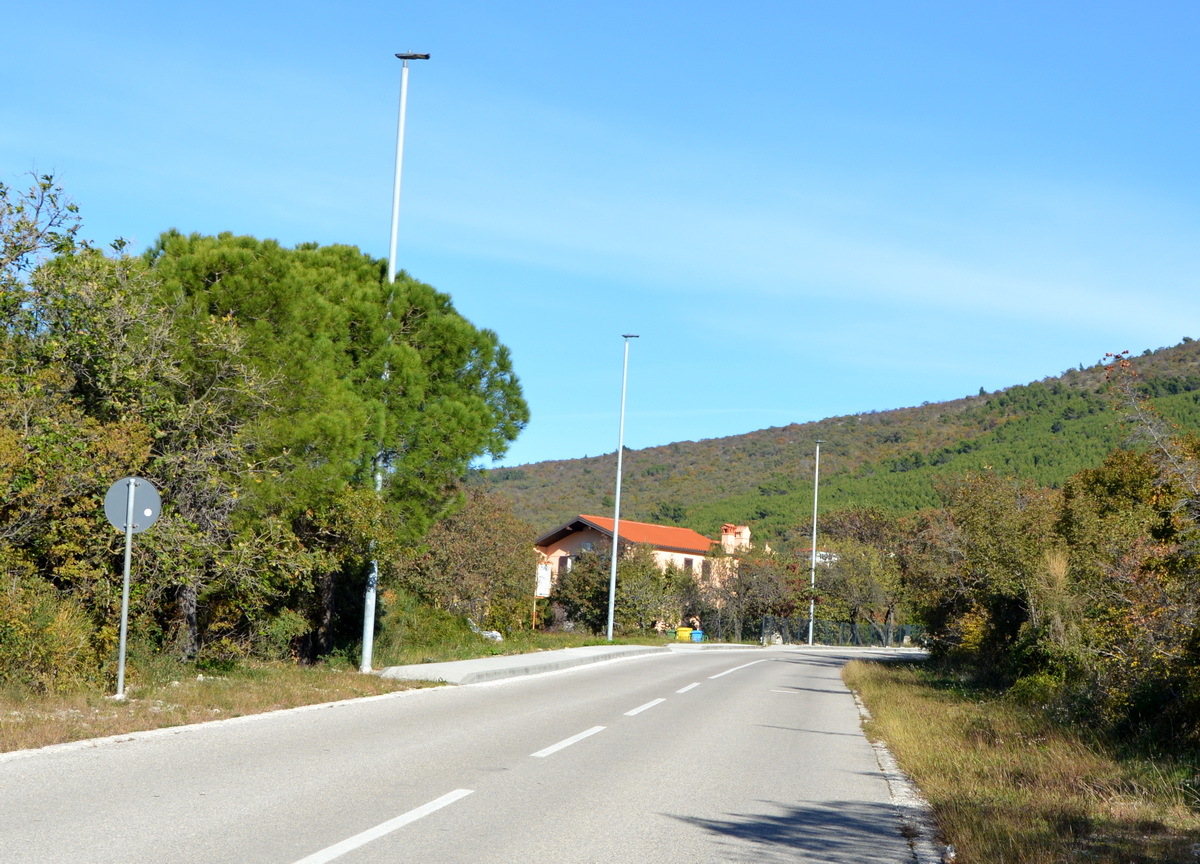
(162, 692)
(1008, 784)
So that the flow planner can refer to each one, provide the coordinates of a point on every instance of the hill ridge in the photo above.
(1045, 430)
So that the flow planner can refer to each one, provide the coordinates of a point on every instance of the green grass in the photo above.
(1007, 784)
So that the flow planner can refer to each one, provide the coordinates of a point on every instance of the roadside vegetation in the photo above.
(1088, 596)
(1058, 718)
(1008, 782)
(261, 389)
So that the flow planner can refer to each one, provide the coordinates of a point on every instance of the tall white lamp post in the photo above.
(812, 556)
(612, 576)
(399, 158)
(368, 638)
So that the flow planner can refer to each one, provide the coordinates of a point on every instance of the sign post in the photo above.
(119, 506)
(541, 589)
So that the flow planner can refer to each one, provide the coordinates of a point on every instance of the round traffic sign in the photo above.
(146, 503)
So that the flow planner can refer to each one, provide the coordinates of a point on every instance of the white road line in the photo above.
(574, 739)
(736, 668)
(339, 849)
(687, 688)
(641, 708)
(789, 692)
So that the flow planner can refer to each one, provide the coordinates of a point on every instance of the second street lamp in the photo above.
(612, 578)
(812, 556)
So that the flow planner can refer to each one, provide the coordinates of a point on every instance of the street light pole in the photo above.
(812, 556)
(399, 158)
(612, 576)
(368, 634)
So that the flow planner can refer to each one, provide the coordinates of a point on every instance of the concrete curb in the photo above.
(916, 818)
(516, 665)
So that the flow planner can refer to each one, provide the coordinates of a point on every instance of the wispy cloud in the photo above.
(1023, 248)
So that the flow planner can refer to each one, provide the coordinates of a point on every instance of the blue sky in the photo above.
(804, 209)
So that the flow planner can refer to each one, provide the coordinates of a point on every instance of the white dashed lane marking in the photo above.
(641, 708)
(339, 849)
(735, 668)
(574, 739)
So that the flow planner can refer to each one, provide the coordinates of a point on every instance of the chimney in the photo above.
(735, 538)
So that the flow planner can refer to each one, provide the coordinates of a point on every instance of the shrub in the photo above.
(1037, 690)
(277, 638)
(45, 640)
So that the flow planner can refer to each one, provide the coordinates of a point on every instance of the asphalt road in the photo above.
(704, 756)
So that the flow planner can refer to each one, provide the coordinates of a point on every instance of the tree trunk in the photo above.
(325, 617)
(188, 611)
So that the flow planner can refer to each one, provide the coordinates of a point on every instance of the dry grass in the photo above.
(27, 722)
(1008, 785)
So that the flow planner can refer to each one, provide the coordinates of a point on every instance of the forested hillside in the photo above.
(891, 460)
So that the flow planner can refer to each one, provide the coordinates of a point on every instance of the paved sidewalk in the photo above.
(517, 665)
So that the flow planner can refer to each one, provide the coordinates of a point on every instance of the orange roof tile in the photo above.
(662, 536)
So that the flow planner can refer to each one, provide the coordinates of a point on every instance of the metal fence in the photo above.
(772, 629)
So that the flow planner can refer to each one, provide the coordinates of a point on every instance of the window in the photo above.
(689, 565)
(564, 565)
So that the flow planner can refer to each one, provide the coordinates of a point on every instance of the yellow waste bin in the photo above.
(683, 634)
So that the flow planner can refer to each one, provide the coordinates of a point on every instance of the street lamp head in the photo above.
(412, 56)
(630, 336)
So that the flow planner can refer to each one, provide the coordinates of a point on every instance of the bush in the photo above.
(45, 640)
(1037, 690)
(278, 637)
(415, 632)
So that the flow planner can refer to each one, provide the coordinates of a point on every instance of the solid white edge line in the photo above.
(339, 849)
(735, 668)
(574, 739)
(687, 688)
(641, 708)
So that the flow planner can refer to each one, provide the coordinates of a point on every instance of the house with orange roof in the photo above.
(683, 547)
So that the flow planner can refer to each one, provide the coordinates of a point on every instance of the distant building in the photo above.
(735, 538)
(824, 556)
(683, 547)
